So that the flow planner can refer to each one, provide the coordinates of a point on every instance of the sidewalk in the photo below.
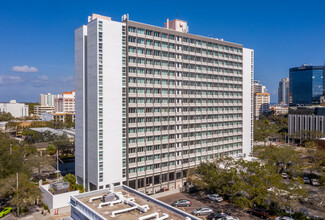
(167, 193)
(39, 216)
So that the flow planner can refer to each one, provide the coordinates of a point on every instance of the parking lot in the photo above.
(199, 200)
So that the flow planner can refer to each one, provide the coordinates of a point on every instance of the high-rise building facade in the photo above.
(65, 102)
(306, 85)
(152, 102)
(47, 99)
(261, 104)
(258, 87)
(261, 100)
(283, 92)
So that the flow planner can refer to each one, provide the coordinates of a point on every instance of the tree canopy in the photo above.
(21, 159)
(6, 116)
(250, 183)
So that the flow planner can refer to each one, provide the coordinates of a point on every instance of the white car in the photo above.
(284, 176)
(229, 218)
(315, 182)
(284, 218)
(215, 197)
(202, 211)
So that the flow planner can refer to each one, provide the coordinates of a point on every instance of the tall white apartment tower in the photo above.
(152, 102)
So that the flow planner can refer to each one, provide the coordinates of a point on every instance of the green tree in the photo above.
(72, 180)
(22, 159)
(247, 183)
(51, 149)
(63, 143)
(31, 107)
(6, 116)
(23, 196)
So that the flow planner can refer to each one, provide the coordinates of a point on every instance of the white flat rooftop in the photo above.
(93, 200)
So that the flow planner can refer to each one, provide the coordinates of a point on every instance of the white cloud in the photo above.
(68, 78)
(24, 69)
(44, 78)
(4, 79)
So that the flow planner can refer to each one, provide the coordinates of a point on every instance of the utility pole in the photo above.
(57, 159)
(17, 194)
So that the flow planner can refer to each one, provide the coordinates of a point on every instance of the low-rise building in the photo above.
(64, 116)
(47, 116)
(55, 200)
(306, 119)
(122, 202)
(16, 109)
(279, 110)
(69, 132)
(3, 125)
(40, 109)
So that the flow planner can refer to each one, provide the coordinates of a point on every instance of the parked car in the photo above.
(182, 202)
(5, 211)
(215, 197)
(284, 175)
(216, 216)
(315, 217)
(306, 180)
(284, 218)
(315, 182)
(229, 218)
(304, 211)
(202, 211)
(294, 176)
(287, 211)
(262, 213)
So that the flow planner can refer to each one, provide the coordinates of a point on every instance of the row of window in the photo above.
(148, 149)
(184, 65)
(180, 83)
(124, 91)
(133, 130)
(225, 94)
(169, 54)
(184, 118)
(184, 109)
(196, 76)
(217, 70)
(223, 132)
(179, 162)
(184, 101)
(179, 153)
(182, 39)
(193, 134)
(100, 93)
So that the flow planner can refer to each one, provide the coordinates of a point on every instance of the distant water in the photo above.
(67, 166)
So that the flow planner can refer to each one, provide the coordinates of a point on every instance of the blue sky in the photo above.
(37, 37)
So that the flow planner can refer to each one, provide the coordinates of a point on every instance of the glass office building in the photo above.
(306, 85)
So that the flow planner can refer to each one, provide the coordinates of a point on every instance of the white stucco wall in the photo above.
(112, 106)
(15, 109)
(92, 102)
(80, 117)
(248, 77)
(56, 201)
